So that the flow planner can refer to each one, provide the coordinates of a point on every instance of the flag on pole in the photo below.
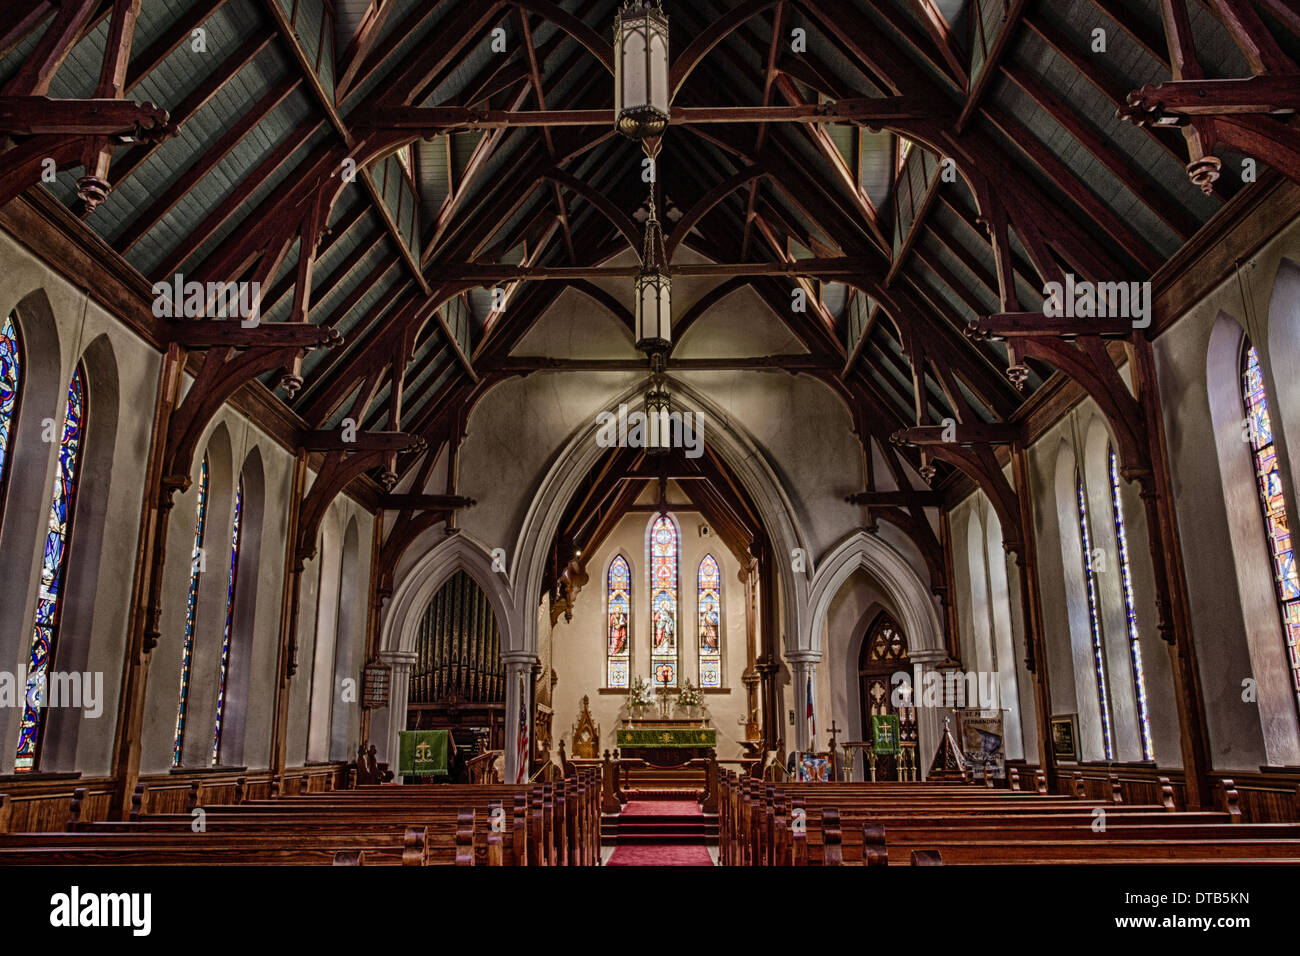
(521, 752)
(812, 718)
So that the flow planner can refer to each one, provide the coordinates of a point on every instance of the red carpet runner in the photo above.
(661, 833)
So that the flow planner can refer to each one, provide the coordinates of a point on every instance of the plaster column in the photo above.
(803, 668)
(519, 682)
(399, 686)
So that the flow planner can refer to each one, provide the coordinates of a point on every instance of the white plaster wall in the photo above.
(1235, 622)
(98, 579)
(67, 321)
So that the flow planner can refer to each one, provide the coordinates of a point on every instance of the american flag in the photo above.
(521, 753)
(812, 718)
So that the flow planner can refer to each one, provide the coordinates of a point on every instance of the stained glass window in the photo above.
(663, 602)
(1130, 612)
(709, 602)
(1094, 615)
(1260, 432)
(191, 609)
(49, 600)
(230, 613)
(11, 378)
(618, 587)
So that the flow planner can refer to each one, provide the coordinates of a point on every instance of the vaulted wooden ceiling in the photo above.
(894, 259)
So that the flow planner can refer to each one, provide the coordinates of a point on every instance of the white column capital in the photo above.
(803, 656)
(396, 659)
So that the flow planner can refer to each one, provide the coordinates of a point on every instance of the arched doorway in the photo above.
(457, 680)
(884, 654)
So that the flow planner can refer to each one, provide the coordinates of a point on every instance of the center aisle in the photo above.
(661, 833)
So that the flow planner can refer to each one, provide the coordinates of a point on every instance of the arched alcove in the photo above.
(1087, 693)
(85, 570)
(1120, 679)
(1003, 644)
(1268, 664)
(325, 632)
(353, 588)
(239, 663)
(31, 465)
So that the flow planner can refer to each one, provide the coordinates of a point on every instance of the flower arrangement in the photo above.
(689, 695)
(640, 694)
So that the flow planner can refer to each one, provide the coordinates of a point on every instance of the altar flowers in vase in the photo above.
(640, 696)
(689, 699)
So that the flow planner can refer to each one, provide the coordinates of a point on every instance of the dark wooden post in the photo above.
(768, 664)
(288, 618)
(1171, 586)
(1032, 612)
(145, 588)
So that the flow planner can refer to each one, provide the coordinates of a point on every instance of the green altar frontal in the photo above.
(689, 738)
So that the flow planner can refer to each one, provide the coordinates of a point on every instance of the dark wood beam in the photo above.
(996, 433)
(903, 499)
(429, 120)
(423, 502)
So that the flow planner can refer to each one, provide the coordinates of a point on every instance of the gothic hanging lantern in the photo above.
(641, 70)
(654, 334)
(658, 423)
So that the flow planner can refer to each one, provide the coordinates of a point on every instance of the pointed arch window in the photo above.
(49, 601)
(709, 603)
(1094, 615)
(11, 380)
(1259, 428)
(230, 613)
(191, 609)
(664, 577)
(618, 590)
(1130, 611)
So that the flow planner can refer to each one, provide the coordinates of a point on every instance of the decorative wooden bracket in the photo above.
(1009, 325)
(1089, 364)
(121, 120)
(226, 369)
(1235, 113)
(1172, 103)
(902, 499)
(64, 131)
(928, 436)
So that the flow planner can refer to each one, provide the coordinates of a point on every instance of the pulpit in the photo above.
(666, 742)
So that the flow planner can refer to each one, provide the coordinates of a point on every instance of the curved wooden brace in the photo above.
(1276, 144)
(574, 27)
(704, 42)
(621, 221)
(218, 379)
(337, 473)
(1090, 366)
(981, 466)
(707, 202)
(706, 302)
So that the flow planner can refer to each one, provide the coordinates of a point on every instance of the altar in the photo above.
(666, 742)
